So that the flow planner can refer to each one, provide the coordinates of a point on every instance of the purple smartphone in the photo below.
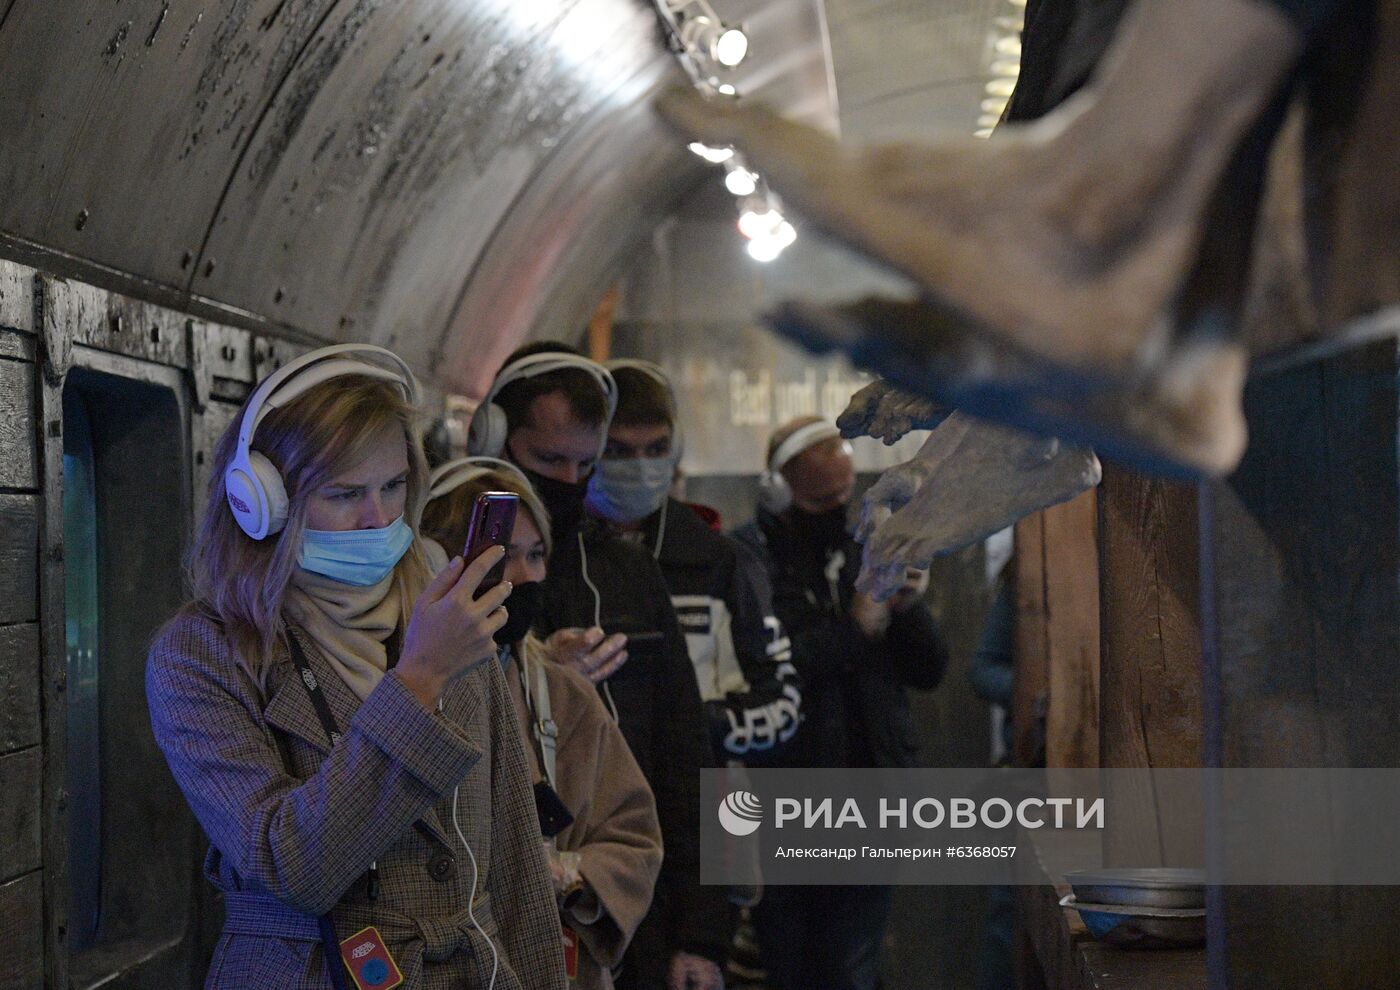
(491, 524)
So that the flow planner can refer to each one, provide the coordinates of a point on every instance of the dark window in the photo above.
(137, 914)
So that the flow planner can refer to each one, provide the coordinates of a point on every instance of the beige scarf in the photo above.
(350, 624)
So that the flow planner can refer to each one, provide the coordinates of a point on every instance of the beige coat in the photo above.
(293, 824)
(615, 828)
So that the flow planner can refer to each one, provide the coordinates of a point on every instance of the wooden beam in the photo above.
(1056, 699)
(1150, 672)
(600, 326)
(1302, 634)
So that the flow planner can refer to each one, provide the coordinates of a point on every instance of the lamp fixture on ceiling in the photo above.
(706, 48)
(698, 33)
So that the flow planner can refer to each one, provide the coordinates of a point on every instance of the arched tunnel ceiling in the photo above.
(440, 176)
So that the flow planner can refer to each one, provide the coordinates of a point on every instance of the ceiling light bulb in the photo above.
(714, 156)
(704, 35)
(730, 47)
(758, 223)
(1009, 45)
(985, 132)
(740, 181)
(765, 249)
(995, 105)
(1000, 87)
(725, 89)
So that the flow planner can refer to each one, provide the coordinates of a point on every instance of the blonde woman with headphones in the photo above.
(327, 707)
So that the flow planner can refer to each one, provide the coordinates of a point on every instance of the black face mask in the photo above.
(522, 608)
(822, 529)
(564, 503)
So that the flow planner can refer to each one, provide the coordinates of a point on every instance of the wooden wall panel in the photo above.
(1057, 636)
(1031, 685)
(1305, 554)
(17, 447)
(1072, 605)
(21, 933)
(19, 813)
(19, 558)
(16, 302)
(19, 686)
(1150, 674)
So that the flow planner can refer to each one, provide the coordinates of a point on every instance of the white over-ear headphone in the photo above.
(486, 436)
(450, 476)
(255, 490)
(774, 493)
(654, 370)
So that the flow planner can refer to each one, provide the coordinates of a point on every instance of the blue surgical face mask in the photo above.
(629, 489)
(361, 557)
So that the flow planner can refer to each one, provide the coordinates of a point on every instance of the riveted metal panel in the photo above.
(122, 122)
(399, 144)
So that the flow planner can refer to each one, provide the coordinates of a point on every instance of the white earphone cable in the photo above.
(597, 595)
(471, 897)
(597, 617)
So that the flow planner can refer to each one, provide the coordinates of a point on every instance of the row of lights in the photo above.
(706, 47)
(1005, 67)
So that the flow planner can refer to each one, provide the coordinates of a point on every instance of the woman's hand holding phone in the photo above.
(450, 631)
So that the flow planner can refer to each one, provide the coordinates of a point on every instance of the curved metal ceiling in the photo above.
(439, 176)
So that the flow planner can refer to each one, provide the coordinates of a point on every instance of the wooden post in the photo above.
(1057, 636)
(1301, 626)
(600, 326)
(1150, 676)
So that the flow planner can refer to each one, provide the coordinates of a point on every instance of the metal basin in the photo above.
(1135, 927)
(1157, 886)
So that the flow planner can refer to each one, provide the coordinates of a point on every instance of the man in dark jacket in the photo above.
(550, 418)
(856, 657)
(720, 591)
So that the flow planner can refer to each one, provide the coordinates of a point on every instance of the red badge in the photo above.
(570, 952)
(369, 962)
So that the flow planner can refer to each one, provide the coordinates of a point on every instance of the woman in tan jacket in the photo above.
(604, 862)
(329, 709)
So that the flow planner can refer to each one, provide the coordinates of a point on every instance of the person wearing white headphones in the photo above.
(330, 711)
(856, 657)
(740, 653)
(606, 613)
(597, 815)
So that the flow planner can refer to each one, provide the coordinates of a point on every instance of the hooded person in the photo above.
(597, 814)
(333, 714)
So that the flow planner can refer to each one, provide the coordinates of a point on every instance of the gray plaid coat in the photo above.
(294, 824)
